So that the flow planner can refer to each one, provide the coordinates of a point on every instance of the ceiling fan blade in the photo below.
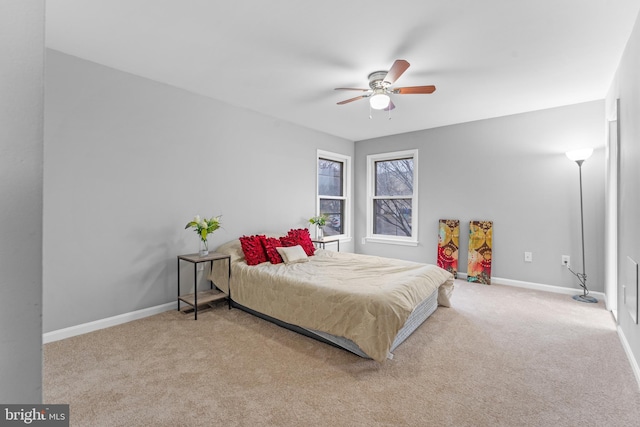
(398, 67)
(390, 107)
(414, 89)
(346, 101)
(351, 88)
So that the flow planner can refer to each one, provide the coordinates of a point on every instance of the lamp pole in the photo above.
(582, 277)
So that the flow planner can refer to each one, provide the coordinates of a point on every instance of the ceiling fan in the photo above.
(380, 87)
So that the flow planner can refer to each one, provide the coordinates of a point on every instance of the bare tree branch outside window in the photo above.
(392, 209)
(331, 193)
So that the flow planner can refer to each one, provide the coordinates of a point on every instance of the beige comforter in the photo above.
(366, 299)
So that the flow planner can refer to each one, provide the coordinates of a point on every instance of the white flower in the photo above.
(203, 226)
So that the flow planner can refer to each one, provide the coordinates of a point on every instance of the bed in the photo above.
(365, 304)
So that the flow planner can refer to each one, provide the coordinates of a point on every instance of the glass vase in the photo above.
(320, 232)
(204, 248)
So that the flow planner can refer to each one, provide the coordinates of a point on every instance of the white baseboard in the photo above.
(539, 286)
(128, 317)
(627, 349)
(105, 323)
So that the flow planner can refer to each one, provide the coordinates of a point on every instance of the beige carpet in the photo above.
(501, 356)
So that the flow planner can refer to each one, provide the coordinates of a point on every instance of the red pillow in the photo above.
(270, 245)
(253, 249)
(288, 241)
(302, 238)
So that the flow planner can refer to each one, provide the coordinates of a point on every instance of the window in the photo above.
(333, 192)
(392, 201)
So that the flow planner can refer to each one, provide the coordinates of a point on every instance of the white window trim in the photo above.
(371, 176)
(346, 236)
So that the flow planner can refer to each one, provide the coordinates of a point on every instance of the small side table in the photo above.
(322, 241)
(203, 297)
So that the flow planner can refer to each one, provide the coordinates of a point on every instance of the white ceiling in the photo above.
(487, 58)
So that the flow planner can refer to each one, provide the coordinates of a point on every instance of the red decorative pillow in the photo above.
(253, 249)
(302, 238)
(270, 245)
(288, 241)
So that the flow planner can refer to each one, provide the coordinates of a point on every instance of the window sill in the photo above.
(391, 241)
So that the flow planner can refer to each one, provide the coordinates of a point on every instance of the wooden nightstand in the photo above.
(208, 296)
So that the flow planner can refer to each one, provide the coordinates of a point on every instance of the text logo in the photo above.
(34, 415)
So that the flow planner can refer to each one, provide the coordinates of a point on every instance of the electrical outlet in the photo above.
(528, 257)
(566, 261)
(364, 240)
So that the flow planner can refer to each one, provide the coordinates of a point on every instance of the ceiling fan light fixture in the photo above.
(380, 87)
(379, 101)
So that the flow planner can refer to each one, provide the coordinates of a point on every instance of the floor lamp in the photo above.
(579, 156)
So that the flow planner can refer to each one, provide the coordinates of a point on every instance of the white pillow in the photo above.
(292, 254)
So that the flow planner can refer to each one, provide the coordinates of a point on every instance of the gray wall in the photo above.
(626, 87)
(21, 109)
(129, 161)
(511, 170)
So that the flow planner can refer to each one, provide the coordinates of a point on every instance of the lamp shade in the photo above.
(379, 101)
(579, 155)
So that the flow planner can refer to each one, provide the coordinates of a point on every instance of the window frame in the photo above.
(371, 182)
(346, 190)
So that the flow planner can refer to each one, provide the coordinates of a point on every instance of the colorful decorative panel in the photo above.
(480, 244)
(448, 242)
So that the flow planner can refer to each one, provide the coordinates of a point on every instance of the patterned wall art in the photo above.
(480, 244)
(448, 243)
